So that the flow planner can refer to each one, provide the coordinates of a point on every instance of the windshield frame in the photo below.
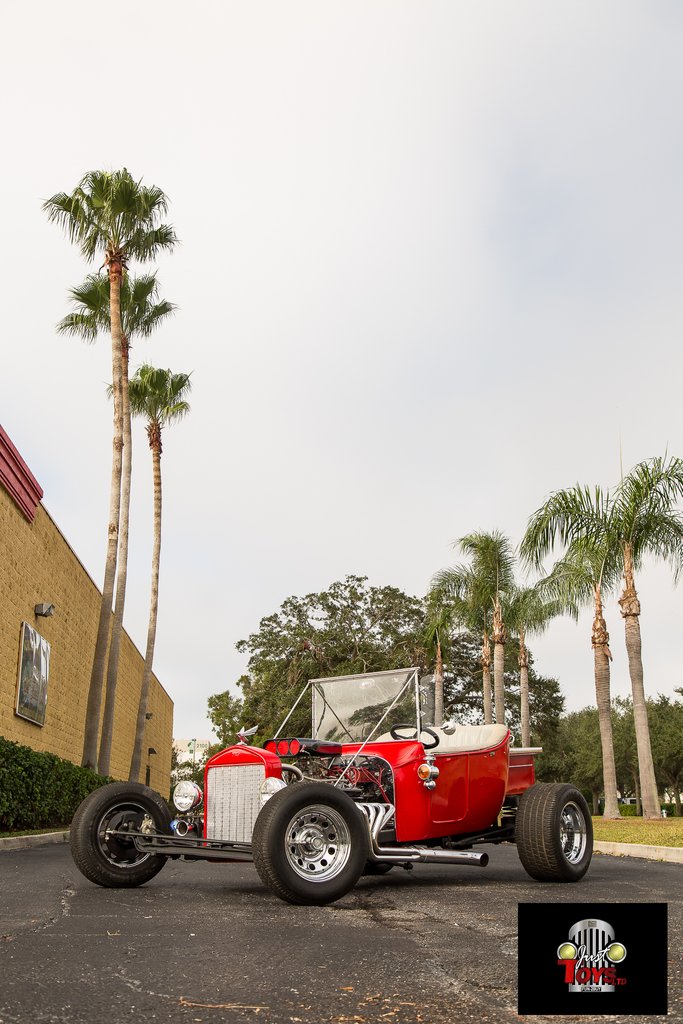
(412, 679)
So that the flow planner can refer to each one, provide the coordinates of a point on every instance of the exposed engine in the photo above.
(368, 778)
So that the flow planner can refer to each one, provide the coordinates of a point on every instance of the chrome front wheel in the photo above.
(310, 843)
(100, 846)
(318, 843)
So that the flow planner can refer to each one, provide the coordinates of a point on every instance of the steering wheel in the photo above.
(401, 725)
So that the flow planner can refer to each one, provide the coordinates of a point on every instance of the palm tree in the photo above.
(161, 397)
(583, 576)
(457, 587)
(438, 626)
(639, 520)
(111, 214)
(528, 610)
(141, 313)
(477, 591)
(643, 522)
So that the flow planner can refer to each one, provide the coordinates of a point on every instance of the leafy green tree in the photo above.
(112, 216)
(226, 713)
(666, 724)
(351, 627)
(141, 313)
(480, 589)
(354, 627)
(160, 396)
(462, 688)
(577, 756)
(191, 771)
(625, 751)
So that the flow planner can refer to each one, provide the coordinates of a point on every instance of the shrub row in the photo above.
(630, 810)
(39, 790)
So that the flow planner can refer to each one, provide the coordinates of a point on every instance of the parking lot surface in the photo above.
(207, 943)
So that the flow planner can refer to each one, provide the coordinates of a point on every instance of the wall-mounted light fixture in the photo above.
(44, 609)
(151, 750)
(149, 715)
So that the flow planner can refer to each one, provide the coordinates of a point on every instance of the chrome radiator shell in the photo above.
(233, 801)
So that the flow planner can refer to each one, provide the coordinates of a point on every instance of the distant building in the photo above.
(49, 612)
(191, 750)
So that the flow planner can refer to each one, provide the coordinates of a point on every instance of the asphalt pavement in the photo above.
(207, 943)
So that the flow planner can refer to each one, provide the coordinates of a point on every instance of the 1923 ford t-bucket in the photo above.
(373, 787)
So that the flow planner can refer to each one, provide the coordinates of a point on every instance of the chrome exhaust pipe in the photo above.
(182, 827)
(453, 857)
(379, 815)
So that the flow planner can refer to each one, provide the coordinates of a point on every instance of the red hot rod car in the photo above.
(372, 788)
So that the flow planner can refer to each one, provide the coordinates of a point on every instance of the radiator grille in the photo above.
(233, 801)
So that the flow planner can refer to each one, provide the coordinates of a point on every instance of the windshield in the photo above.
(348, 709)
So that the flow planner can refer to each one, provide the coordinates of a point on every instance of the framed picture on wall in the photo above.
(34, 671)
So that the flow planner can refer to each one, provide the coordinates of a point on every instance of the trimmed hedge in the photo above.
(628, 811)
(40, 790)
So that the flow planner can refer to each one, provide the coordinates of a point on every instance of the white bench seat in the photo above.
(465, 737)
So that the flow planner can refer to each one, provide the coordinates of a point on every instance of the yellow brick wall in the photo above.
(37, 565)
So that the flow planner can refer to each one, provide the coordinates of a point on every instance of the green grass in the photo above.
(656, 832)
(33, 832)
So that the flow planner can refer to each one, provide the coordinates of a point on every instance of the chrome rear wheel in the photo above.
(554, 832)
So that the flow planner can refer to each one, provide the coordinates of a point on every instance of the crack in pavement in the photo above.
(65, 909)
(135, 985)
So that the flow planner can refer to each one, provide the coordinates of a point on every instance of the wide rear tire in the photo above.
(112, 861)
(310, 844)
(554, 833)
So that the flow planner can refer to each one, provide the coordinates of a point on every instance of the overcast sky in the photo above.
(430, 271)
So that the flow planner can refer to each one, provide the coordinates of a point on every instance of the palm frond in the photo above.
(565, 516)
(144, 244)
(140, 313)
(533, 608)
(493, 559)
(111, 211)
(159, 395)
(81, 325)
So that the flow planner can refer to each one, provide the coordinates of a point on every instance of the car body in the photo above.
(373, 787)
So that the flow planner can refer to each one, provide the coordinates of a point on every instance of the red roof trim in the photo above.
(17, 478)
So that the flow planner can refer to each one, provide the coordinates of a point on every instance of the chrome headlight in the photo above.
(270, 786)
(187, 795)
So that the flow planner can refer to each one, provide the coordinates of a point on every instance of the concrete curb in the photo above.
(671, 854)
(26, 842)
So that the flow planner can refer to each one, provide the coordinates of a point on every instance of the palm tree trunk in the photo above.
(636, 787)
(486, 671)
(122, 574)
(630, 609)
(602, 657)
(524, 690)
(92, 714)
(136, 760)
(438, 686)
(499, 639)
